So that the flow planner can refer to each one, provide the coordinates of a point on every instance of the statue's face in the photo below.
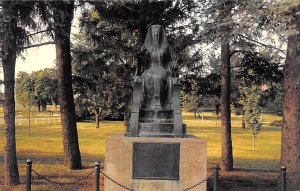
(156, 32)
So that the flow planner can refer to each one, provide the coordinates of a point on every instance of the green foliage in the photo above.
(45, 88)
(107, 51)
(102, 78)
(127, 22)
(24, 90)
(276, 105)
(283, 16)
(250, 101)
(254, 55)
(37, 88)
(29, 15)
(203, 90)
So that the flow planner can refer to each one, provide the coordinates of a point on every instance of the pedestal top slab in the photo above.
(190, 138)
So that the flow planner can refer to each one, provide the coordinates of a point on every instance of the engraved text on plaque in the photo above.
(156, 161)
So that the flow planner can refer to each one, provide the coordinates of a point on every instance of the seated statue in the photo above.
(156, 108)
(156, 81)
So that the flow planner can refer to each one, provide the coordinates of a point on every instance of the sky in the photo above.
(43, 57)
(36, 58)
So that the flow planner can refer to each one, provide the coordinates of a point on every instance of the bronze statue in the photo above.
(156, 102)
(156, 79)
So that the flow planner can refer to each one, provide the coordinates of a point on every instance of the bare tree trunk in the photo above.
(227, 158)
(144, 6)
(290, 140)
(44, 105)
(97, 121)
(243, 120)
(97, 115)
(243, 123)
(29, 119)
(54, 103)
(9, 49)
(39, 106)
(63, 15)
(253, 142)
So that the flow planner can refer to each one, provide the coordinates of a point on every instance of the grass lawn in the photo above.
(258, 169)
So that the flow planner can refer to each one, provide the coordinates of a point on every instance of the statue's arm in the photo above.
(173, 68)
(141, 61)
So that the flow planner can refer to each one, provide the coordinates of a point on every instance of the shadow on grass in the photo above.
(44, 158)
(248, 174)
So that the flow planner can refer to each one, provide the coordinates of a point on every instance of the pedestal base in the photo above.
(119, 164)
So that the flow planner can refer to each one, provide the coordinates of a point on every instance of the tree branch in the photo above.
(261, 44)
(237, 51)
(37, 45)
(32, 34)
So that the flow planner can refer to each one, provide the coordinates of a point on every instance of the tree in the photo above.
(256, 69)
(63, 12)
(41, 85)
(116, 32)
(102, 73)
(15, 17)
(255, 128)
(24, 96)
(227, 156)
(250, 101)
(235, 25)
(225, 32)
(290, 141)
(133, 18)
(45, 88)
(9, 53)
(192, 103)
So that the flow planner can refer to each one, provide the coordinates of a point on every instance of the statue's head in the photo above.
(155, 38)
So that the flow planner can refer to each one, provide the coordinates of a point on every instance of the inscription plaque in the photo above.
(156, 161)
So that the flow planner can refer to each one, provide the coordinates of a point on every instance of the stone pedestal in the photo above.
(119, 164)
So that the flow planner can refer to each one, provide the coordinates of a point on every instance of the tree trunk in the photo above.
(9, 49)
(39, 106)
(97, 118)
(290, 140)
(253, 143)
(243, 123)
(63, 15)
(97, 121)
(44, 105)
(243, 120)
(144, 5)
(227, 158)
(54, 103)
(29, 119)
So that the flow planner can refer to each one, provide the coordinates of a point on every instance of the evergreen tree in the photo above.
(234, 26)
(15, 16)
(290, 140)
(63, 12)
(134, 17)
(116, 32)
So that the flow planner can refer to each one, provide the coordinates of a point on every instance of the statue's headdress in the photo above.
(155, 39)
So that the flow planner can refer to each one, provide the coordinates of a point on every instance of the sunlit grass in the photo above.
(44, 146)
(267, 151)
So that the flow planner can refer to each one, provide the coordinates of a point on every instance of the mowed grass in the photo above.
(44, 147)
(267, 152)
